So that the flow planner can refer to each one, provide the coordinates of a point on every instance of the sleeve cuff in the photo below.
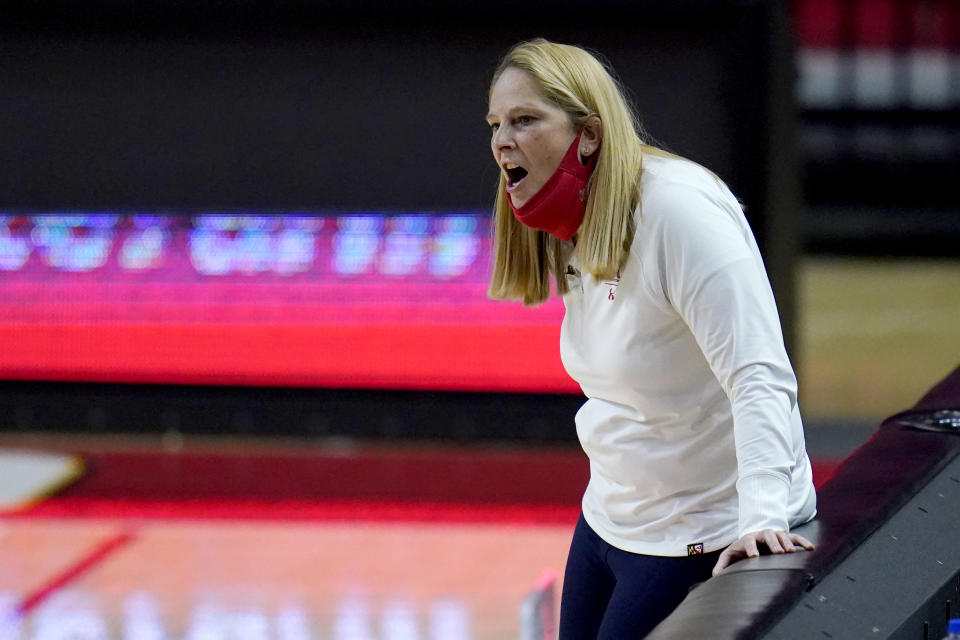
(763, 503)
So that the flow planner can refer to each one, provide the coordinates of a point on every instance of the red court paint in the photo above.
(823, 470)
(368, 511)
(445, 485)
(97, 555)
(433, 475)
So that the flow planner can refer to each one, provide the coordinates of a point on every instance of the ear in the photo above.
(592, 136)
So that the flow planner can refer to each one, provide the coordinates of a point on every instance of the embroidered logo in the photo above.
(695, 549)
(613, 284)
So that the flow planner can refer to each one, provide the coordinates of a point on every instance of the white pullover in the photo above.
(691, 422)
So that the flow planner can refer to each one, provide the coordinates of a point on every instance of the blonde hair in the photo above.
(579, 84)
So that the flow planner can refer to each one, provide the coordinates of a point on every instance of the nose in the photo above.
(502, 139)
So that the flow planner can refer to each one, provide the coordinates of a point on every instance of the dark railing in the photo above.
(887, 562)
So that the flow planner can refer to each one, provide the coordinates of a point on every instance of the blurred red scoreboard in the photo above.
(345, 300)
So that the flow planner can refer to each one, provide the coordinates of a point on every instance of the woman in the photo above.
(696, 447)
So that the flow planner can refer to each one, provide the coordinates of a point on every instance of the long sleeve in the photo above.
(714, 277)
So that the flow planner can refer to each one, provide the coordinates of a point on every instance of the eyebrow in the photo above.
(520, 107)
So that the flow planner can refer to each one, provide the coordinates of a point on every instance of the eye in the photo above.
(494, 126)
(522, 121)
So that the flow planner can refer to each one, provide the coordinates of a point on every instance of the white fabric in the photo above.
(691, 422)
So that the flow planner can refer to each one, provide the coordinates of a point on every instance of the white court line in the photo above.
(27, 476)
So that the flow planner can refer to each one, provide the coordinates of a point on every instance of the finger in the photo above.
(750, 546)
(803, 542)
(722, 562)
(772, 541)
(786, 542)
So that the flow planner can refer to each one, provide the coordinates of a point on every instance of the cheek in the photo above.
(550, 157)
(537, 149)
(549, 148)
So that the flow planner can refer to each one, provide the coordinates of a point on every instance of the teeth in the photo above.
(510, 165)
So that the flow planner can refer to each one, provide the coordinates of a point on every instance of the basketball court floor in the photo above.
(224, 540)
(221, 543)
(205, 580)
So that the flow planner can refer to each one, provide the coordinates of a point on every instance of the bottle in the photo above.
(953, 630)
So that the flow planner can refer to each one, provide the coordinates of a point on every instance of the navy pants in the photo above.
(611, 594)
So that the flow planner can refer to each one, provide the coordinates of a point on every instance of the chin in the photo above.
(520, 200)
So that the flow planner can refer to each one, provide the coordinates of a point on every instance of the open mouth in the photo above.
(514, 175)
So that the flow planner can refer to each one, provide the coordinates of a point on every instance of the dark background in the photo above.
(344, 105)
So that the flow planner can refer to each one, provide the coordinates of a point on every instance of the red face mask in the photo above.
(558, 206)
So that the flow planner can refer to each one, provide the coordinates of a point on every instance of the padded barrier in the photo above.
(908, 452)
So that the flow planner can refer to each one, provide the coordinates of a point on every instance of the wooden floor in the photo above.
(258, 539)
(242, 539)
(85, 579)
(874, 334)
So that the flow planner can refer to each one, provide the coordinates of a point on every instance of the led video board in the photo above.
(325, 299)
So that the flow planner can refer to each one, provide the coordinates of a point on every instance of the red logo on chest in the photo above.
(612, 287)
